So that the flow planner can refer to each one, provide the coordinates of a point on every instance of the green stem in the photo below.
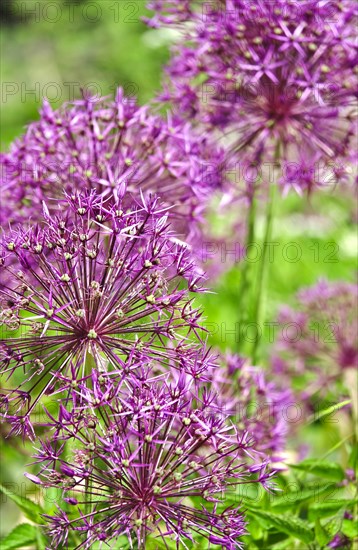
(242, 304)
(351, 382)
(258, 309)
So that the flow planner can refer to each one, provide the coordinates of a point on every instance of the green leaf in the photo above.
(282, 545)
(97, 545)
(291, 499)
(21, 536)
(349, 528)
(290, 525)
(329, 411)
(155, 544)
(321, 468)
(247, 541)
(41, 540)
(327, 509)
(334, 525)
(321, 534)
(255, 529)
(353, 457)
(30, 509)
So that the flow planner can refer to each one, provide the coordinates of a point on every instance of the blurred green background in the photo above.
(56, 48)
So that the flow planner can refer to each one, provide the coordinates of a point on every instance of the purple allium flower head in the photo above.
(276, 77)
(256, 402)
(341, 542)
(146, 463)
(96, 286)
(317, 341)
(99, 144)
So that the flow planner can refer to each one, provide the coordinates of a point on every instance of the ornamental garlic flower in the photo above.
(145, 464)
(318, 345)
(93, 287)
(255, 402)
(99, 144)
(276, 77)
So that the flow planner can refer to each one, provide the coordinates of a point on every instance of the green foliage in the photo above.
(322, 536)
(56, 51)
(29, 508)
(292, 499)
(302, 514)
(23, 535)
(350, 528)
(327, 509)
(290, 525)
(330, 410)
(321, 468)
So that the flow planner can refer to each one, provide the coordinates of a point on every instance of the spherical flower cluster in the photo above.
(147, 465)
(255, 403)
(276, 77)
(94, 287)
(105, 145)
(319, 344)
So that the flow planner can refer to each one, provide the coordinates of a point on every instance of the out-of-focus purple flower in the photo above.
(95, 287)
(172, 13)
(251, 398)
(317, 340)
(145, 463)
(341, 542)
(99, 144)
(254, 402)
(277, 78)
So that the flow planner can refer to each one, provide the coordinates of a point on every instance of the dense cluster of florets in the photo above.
(319, 346)
(97, 285)
(148, 465)
(106, 145)
(256, 403)
(276, 77)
